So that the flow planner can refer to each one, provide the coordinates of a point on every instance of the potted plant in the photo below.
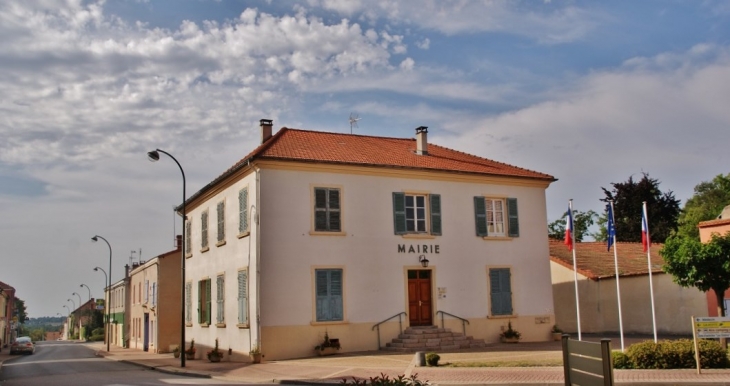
(215, 355)
(328, 346)
(255, 353)
(176, 352)
(510, 335)
(190, 352)
(557, 332)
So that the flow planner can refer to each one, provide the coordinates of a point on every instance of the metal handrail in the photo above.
(400, 325)
(464, 322)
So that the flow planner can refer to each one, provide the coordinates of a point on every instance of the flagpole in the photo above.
(615, 263)
(575, 266)
(645, 223)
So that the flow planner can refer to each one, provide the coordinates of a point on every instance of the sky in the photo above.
(589, 92)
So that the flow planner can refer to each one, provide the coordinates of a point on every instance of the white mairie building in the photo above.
(316, 233)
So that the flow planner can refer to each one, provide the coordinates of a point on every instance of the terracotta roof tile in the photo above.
(362, 150)
(716, 222)
(595, 262)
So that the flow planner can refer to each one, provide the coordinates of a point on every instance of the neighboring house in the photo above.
(719, 226)
(118, 302)
(674, 305)
(7, 306)
(316, 233)
(82, 316)
(155, 308)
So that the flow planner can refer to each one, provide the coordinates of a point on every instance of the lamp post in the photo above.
(106, 280)
(87, 287)
(72, 302)
(69, 310)
(154, 156)
(80, 303)
(108, 291)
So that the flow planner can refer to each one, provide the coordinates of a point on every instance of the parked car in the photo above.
(22, 345)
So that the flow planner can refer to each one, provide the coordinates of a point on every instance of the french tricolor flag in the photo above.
(569, 230)
(644, 230)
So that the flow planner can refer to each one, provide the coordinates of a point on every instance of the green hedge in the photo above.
(96, 338)
(671, 354)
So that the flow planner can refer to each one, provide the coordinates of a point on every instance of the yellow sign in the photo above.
(712, 324)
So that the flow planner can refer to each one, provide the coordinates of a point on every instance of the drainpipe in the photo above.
(258, 256)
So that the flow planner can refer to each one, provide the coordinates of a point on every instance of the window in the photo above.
(500, 290)
(242, 297)
(327, 210)
(204, 230)
(221, 210)
(204, 302)
(328, 288)
(414, 213)
(154, 294)
(220, 299)
(188, 302)
(243, 211)
(188, 237)
(491, 219)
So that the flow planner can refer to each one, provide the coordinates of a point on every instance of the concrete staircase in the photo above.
(432, 338)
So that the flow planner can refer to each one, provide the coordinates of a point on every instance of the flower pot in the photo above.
(176, 354)
(256, 358)
(509, 340)
(557, 336)
(214, 358)
(190, 355)
(327, 351)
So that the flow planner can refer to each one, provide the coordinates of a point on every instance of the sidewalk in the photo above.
(333, 369)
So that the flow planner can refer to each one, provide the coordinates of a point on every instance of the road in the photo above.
(73, 364)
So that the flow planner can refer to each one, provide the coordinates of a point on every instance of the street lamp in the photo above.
(109, 289)
(69, 310)
(97, 269)
(72, 302)
(80, 303)
(87, 287)
(154, 156)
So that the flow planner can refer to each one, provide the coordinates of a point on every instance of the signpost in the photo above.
(709, 328)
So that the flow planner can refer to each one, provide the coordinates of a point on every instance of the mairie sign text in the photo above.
(419, 248)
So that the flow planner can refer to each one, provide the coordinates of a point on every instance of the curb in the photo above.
(165, 369)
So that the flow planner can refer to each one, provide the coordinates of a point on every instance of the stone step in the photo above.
(432, 338)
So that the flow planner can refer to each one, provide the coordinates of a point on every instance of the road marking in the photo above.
(13, 363)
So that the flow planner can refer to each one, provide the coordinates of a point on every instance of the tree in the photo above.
(20, 311)
(709, 199)
(581, 222)
(627, 197)
(705, 266)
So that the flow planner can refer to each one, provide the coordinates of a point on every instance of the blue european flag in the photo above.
(610, 228)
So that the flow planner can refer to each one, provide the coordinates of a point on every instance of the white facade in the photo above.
(281, 253)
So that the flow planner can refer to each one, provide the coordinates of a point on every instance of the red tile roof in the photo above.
(361, 150)
(595, 262)
(716, 222)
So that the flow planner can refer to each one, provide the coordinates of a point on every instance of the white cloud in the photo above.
(424, 44)
(407, 64)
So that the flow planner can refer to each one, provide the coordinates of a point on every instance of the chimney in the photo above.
(422, 140)
(179, 241)
(266, 125)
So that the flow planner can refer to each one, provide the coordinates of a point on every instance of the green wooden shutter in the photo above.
(208, 306)
(399, 213)
(221, 221)
(220, 300)
(334, 210)
(242, 298)
(201, 302)
(188, 236)
(435, 207)
(322, 295)
(480, 215)
(188, 302)
(336, 294)
(243, 210)
(320, 209)
(514, 223)
(204, 230)
(500, 291)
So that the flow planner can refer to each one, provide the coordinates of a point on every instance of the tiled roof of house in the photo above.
(716, 222)
(362, 150)
(595, 262)
(6, 287)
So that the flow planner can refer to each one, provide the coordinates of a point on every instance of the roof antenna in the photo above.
(354, 117)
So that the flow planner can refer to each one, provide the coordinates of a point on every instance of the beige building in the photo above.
(7, 305)
(718, 226)
(674, 305)
(316, 233)
(117, 301)
(155, 302)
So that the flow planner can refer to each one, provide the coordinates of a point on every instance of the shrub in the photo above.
(677, 354)
(384, 380)
(96, 338)
(98, 331)
(620, 360)
(432, 359)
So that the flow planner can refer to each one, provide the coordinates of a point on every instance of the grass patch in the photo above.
(516, 363)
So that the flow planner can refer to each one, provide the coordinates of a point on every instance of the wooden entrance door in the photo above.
(419, 297)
